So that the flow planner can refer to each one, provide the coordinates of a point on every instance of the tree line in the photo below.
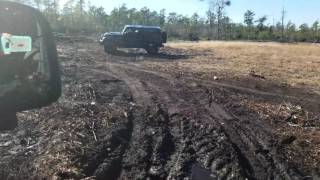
(81, 16)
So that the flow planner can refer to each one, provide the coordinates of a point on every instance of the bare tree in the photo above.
(283, 14)
(219, 6)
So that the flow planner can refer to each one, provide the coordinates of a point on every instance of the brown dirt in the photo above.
(122, 118)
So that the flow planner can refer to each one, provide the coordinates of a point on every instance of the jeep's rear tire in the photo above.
(8, 121)
(152, 50)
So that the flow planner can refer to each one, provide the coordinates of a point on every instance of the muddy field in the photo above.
(135, 116)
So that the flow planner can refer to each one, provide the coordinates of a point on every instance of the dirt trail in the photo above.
(231, 148)
(162, 126)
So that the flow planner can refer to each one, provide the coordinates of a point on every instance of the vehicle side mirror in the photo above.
(29, 69)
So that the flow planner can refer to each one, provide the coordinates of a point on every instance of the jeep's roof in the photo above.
(141, 26)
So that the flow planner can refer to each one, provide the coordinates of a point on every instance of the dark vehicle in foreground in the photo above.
(29, 69)
(150, 38)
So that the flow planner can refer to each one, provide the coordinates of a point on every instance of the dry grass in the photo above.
(293, 64)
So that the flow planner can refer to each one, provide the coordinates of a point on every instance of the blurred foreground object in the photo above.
(29, 69)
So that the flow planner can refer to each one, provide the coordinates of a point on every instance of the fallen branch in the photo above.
(94, 134)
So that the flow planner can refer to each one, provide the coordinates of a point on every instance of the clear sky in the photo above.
(299, 11)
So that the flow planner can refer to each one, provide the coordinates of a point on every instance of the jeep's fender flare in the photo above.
(109, 41)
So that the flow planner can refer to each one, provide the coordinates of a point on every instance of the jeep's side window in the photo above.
(129, 30)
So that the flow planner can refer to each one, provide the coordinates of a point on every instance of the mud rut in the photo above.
(181, 129)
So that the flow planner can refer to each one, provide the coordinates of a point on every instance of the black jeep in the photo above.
(150, 38)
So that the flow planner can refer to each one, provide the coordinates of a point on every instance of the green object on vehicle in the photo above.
(11, 44)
